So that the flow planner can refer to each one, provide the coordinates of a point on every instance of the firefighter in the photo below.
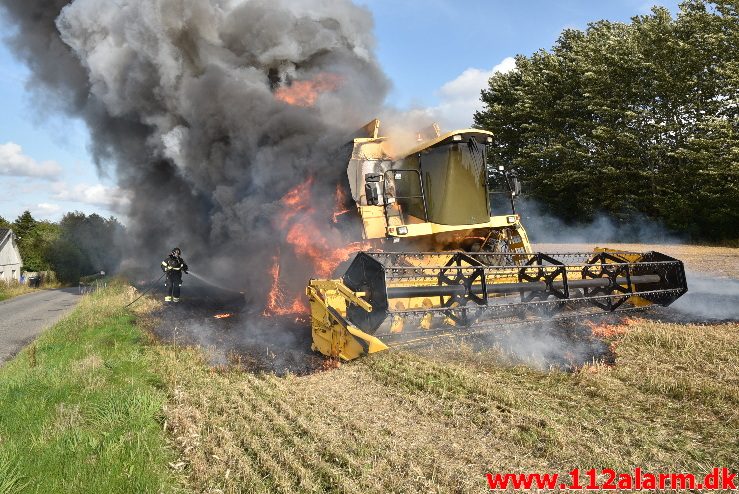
(174, 266)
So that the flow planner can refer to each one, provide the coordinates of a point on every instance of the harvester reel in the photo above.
(366, 276)
(455, 273)
(605, 265)
(545, 269)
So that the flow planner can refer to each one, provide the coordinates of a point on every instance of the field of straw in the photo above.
(401, 422)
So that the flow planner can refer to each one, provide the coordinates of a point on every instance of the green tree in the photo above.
(29, 242)
(639, 118)
(24, 224)
(78, 245)
(34, 239)
(5, 223)
(87, 245)
(67, 260)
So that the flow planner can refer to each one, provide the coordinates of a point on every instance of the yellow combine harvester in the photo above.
(453, 257)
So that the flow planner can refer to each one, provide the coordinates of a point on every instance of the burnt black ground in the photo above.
(258, 344)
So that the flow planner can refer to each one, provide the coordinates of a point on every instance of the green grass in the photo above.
(81, 411)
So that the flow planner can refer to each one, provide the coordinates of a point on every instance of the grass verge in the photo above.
(81, 410)
(10, 290)
(14, 288)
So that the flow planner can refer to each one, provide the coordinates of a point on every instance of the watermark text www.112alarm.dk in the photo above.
(608, 479)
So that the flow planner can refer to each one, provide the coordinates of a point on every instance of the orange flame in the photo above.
(276, 304)
(339, 213)
(222, 316)
(340, 201)
(305, 93)
(608, 330)
(308, 242)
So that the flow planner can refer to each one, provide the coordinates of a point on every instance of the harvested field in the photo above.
(401, 422)
(721, 261)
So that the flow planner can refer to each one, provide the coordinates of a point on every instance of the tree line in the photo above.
(79, 245)
(629, 120)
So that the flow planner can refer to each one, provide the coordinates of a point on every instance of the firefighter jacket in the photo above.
(174, 266)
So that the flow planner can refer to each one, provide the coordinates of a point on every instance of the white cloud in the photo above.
(45, 209)
(460, 98)
(111, 198)
(16, 164)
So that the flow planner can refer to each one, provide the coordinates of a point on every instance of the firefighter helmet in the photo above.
(176, 251)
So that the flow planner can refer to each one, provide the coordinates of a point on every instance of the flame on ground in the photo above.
(276, 303)
(307, 241)
(609, 330)
(330, 364)
(306, 93)
(222, 316)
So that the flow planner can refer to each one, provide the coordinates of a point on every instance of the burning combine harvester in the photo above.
(455, 258)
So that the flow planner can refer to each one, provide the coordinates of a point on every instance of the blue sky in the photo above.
(437, 53)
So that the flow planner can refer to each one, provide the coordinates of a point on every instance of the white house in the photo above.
(10, 256)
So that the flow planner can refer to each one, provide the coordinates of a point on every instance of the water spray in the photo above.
(212, 283)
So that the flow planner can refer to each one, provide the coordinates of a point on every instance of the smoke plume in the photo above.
(709, 299)
(181, 100)
(543, 227)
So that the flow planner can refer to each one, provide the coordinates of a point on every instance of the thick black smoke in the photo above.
(179, 99)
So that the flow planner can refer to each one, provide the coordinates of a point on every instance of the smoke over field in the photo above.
(207, 111)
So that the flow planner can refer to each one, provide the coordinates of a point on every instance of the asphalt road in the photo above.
(25, 317)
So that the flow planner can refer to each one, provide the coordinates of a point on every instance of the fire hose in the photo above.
(146, 291)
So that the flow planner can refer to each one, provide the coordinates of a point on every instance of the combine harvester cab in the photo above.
(452, 257)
